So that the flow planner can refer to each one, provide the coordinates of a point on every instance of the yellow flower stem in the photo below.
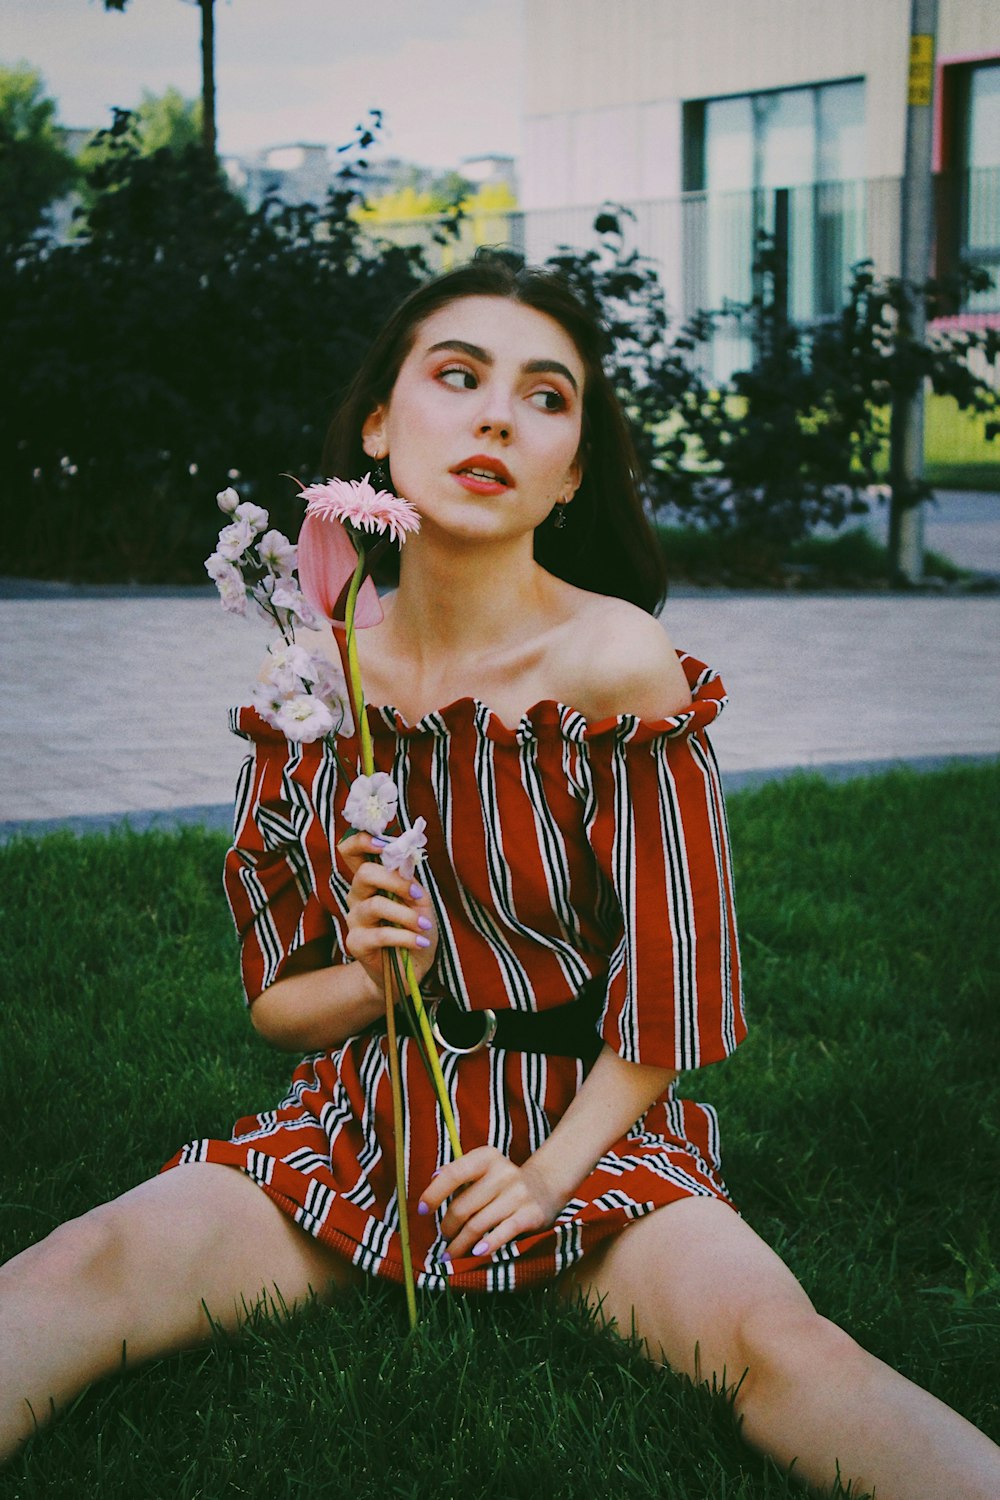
(395, 1082)
(400, 1142)
(432, 1054)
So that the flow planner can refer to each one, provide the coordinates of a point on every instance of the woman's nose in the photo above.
(495, 417)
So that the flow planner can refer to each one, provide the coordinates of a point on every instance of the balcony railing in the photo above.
(704, 243)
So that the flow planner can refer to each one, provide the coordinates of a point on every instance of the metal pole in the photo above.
(906, 522)
(208, 76)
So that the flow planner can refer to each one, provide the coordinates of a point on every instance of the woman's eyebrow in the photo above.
(531, 367)
(549, 367)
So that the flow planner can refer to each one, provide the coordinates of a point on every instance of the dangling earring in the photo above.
(380, 473)
(560, 517)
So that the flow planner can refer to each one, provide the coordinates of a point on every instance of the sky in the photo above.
(445, 73)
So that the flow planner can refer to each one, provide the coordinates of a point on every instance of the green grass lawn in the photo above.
(861, 1137)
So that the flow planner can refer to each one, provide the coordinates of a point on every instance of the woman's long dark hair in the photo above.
(608, 545)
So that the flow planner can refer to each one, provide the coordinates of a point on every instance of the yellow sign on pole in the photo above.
(921, 86)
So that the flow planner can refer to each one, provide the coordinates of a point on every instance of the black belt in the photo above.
(568, 1030)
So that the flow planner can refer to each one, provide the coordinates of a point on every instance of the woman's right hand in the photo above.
(375, 921)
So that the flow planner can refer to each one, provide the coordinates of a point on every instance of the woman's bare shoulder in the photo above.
(620, 660)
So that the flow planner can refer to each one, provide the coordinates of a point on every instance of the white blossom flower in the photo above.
(255, 516)
(289, 659)
(192, 469)
(232, 474)
(261, 593)
(268, 700)
(227, 499)
(329, 684)
(277, 553)
(304, 718)
(232, 592)
(401, 854)
(234, 540)
(287, 671)
(285, 596)
(217, 566)
(371, 803)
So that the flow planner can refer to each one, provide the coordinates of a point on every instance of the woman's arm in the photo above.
(315, 1006)
(493, 1200)
(614, 1094)
(316, 1009)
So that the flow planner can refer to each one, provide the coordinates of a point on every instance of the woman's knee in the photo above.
(87, 1256)
(781, 1347)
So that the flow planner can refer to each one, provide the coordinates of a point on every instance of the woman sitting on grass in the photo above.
(577, 884)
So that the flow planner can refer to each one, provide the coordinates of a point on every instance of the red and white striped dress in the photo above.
(557, 851)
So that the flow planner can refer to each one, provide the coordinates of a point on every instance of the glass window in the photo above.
(787, 163)
(729, 145)
(784, 138)
(785, 132)
(984, 117)
(981, 219)
(840, 130)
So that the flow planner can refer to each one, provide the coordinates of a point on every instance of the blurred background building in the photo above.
(714, 123)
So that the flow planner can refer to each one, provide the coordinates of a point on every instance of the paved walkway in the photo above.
(117, 705)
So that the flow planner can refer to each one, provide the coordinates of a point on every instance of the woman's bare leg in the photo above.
(129, 1279)
(712, 1300)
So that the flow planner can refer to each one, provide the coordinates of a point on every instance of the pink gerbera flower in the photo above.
(361, 505)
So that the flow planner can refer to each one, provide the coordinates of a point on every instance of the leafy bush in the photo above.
(794, 441)
(181, 341)
(179, 338)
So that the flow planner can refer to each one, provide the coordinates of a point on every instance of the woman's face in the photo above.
(483, 423)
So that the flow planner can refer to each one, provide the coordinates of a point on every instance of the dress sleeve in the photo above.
(657, 826)
(278, 873)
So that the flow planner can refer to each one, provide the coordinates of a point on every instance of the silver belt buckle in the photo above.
(489, 1029)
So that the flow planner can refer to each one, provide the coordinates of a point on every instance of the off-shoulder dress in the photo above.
(557, 852)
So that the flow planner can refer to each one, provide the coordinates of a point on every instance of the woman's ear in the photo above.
(373, 433)
(574, 476)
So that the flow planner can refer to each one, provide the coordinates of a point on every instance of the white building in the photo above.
(714, 120)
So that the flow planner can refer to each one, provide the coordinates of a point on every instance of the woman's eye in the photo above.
(458, 377)
(548, 400)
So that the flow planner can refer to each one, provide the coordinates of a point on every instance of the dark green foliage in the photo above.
(35, 168)
(792, 442)
(860, 1137)
(179, 338)
(655, 375)
(851, 559)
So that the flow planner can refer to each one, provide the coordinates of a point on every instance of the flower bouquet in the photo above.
(325, 582)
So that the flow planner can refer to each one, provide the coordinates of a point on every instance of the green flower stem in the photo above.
(395, 1081)
(429, 1049)
(433, 1060)
(400, 1143)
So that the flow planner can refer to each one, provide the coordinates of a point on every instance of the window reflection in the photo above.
(789, 164)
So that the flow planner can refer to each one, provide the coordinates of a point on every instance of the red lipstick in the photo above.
(483, 475)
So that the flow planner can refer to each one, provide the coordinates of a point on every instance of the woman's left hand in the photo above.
(492, 1201)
